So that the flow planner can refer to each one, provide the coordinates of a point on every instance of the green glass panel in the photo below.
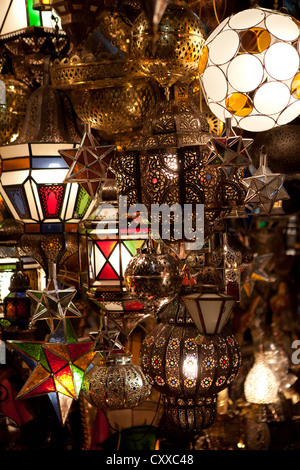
(77, 378)
(83, 203)
(44, 362)
(70, 333)
(133, 245)
(32, 350)
(33, 15)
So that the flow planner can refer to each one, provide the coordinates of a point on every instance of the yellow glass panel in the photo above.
(239, 104)
(85, 360)
(295, 88)
(255, 40)
(203, 60)
(61, 389)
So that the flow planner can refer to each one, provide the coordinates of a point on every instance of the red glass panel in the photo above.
(107, 273)
(44, 387)
(51, 198)
(133, 306)
(65, 377)
(106, 246)
(55, 362)
(77, 349)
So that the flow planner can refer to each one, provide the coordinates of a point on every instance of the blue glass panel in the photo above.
(52, 228)
(48, 162)
(18, 199)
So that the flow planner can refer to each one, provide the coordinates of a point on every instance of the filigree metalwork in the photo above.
(119, 384)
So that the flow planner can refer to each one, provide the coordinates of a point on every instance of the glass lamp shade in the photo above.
(261, 385)
(209, 311)
(16, 15)
(32, 185)
(249, 69)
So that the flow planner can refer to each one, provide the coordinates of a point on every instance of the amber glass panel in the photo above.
(203, 60)
(15, 164)
(239, 104)
(295, 88)
(255, 40)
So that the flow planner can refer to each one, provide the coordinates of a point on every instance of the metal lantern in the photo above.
(179, 42)
(249, 69)
(16, 303)
(12, 112)
(116, 385)
(190, 415)
(179, 361)
(153, 277)
(28, 36)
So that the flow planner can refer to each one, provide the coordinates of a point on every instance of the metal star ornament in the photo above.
(89, 164)
(256, 272)
(229, 151)
(105, 341)
(53, 304)
(58, 367)
(264, 188)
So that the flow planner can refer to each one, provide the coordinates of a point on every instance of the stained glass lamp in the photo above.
(31, 184)
(249, 69)
(17, 15)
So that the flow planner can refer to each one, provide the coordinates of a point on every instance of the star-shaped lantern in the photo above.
(89, 164)
(256, 272)
(105, 341)
(264, 188)
(229, 151)
(58, 367)
(53, 303)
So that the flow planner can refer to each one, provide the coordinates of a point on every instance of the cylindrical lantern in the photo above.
(116, 384)
(249, 69)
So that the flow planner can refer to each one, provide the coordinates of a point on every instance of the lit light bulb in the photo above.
(190, 367)
(261, 385)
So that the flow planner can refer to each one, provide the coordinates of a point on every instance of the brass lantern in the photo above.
(179, 42)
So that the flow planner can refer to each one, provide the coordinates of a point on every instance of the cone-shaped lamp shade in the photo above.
(209, 311)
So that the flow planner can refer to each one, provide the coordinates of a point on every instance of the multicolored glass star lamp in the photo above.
(58, 367)
(249, 69)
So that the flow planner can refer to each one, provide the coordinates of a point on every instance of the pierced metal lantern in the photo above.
(249, 69)
(190, 415)
(116, 385)
(153, 278)
(179, 361)
(179, 42)
(167, 165)
(12, 112)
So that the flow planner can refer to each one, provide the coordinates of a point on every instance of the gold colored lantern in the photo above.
(176, 52)
(12, 113)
